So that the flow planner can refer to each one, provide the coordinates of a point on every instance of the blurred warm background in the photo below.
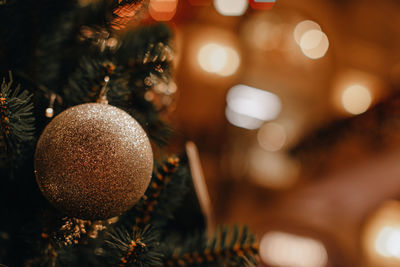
(295, 109)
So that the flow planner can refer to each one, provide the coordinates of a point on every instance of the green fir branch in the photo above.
(147, 50)
(85, 84)
(138, 247)
(172, 195)
(230, 246)
(164, 194)
(16, 118)
(146, 56)
(140, 61)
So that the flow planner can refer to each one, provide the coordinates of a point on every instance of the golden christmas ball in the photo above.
(93, 161)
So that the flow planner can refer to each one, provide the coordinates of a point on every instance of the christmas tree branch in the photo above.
(138, 248)
(86, 82)
(161, 198)
(228, 247)
(85, 86)
(139, 61)
(125, 10)
(16, 118)
(146, 48)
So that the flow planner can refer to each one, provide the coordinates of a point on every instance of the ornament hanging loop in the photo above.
(103, 93)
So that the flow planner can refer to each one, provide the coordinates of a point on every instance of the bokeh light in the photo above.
(218, 59)
(387, 243)
(231, 7)
(354, 91)
(212, 57)
(287, 250)
(162, 10)
(381, 235)
(242, 120)
(271, 136)
(251, 104)
(232, 63)
(263, 31)
(273, 170)
(314, 44)
(311, 39)
(303, 27)
(356, 99)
